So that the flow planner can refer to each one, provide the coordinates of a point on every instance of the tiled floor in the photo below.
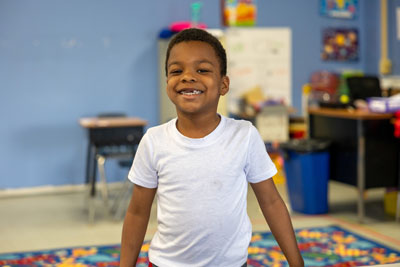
(60, 220)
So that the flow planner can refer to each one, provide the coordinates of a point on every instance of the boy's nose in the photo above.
(188, 77)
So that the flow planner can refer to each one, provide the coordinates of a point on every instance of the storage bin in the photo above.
(390, 202)
(307, 174)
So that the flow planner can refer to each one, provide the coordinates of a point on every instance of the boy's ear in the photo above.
(224, 85)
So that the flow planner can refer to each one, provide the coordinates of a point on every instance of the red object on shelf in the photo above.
(297, 135)
(324, 81)
(397, 124)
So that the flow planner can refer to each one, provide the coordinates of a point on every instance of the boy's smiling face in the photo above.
(194, 81)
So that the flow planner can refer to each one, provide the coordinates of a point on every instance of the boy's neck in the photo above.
(193, 126)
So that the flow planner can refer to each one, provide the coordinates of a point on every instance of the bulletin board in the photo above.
(259, 57)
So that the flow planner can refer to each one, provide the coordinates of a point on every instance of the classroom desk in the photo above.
(364, 152)
(115, 132)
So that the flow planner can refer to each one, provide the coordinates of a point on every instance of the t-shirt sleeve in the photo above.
(259, 166)
(143, 171)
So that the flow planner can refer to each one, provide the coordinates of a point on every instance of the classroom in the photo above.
(319, 79)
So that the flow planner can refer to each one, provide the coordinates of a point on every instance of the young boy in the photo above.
(200, 164)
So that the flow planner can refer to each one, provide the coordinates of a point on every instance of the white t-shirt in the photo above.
(201, 191)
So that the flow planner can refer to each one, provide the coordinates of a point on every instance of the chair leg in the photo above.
(119, 206)
(103, 181)
(92, 209)
(91, 182)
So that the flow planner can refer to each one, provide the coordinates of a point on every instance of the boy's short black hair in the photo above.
(194, 34)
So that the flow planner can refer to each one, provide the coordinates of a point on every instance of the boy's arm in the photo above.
(278, 219)
(135, 224)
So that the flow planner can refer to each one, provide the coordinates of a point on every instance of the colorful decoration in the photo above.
(239, 12)
(321, 246)
(340, 44)
(339, 8)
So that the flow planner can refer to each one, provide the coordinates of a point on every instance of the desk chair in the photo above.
(124, 158)
(112, 145)
(120, 204)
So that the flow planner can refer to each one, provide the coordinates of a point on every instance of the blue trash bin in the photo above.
(306, 164)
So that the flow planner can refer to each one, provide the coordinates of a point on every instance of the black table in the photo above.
(364, 152)
(112, 136)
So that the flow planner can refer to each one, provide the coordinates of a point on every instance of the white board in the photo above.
(259, 57)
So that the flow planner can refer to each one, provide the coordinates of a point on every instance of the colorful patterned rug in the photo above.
(320, 246)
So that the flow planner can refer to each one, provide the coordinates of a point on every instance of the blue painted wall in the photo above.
(61, 60)
(394, 39)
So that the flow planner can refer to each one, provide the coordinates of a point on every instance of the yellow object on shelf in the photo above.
(279, 178)
(254, 96)
(306, 88)
(390, 200)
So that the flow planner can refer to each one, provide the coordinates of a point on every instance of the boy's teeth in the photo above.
(194, 92)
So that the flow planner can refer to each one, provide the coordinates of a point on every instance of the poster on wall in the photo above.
(239, 12)
(346, 9)
(340, 44)
(259, 58)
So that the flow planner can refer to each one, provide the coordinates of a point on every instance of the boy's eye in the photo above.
(202, 70)
(175, 71)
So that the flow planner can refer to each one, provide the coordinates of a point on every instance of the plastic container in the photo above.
(307, 174)
(390, 200)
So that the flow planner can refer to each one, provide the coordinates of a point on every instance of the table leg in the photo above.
(92, 183)
(91, 166)
(360, 170)
(88, 163)
(93, 171)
